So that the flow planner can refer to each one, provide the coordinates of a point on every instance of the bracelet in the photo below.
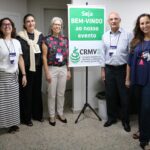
(23, 74)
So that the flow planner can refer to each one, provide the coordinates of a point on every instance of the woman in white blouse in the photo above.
(10, 57)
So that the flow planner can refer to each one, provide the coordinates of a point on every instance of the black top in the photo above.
(26, 50)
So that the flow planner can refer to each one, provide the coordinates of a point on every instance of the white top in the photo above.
(7, 46)
(115, 47)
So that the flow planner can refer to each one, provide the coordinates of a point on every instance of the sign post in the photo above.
(86, 27)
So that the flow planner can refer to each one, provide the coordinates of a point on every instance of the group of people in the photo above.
(125, 61)
(20, 87)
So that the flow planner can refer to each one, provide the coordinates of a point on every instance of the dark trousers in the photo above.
(115, 87)
(30, 96)
(143, 98)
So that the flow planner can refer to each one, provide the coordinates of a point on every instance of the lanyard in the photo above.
(8, 48)
(12, 53)
(116, 42)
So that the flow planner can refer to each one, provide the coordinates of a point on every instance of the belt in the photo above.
(57, 65)
(116, 67)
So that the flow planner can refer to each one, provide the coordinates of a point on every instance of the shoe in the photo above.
(109, 123)
(62, 119)
(126, 127)
(38, 119)
(41, 120)
(143, 145)
(13, 129)
(52, 121)
(16, 128)
(136, 135)
(29, 123)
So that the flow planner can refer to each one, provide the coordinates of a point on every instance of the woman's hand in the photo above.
(48, 77)
(24, 80)
(127, 83)
(68, 74)
(127, 79)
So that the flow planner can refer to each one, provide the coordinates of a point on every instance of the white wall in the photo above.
(128, 10)
(15, 9)
(37, 7)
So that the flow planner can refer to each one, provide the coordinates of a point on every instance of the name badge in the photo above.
(59, 56)
(113, 47)
(112, 52)
(12, 57)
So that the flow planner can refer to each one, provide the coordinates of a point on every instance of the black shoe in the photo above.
(109, 123)
(40, 120)
(13, 129)
(62, 120)
(28, 123)
(126, 127)
(143, 144)
(52, 123)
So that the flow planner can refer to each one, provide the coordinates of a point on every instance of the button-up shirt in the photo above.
(115, 47)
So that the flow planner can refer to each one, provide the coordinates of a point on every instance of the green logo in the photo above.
(75, 57)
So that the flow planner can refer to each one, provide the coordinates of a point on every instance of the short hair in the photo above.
(13, 33)
(52, 22)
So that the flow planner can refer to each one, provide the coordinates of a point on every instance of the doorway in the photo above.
(50, 13)
(62, 13)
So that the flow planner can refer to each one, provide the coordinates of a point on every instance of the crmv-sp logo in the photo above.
(75, 57)
(88, 51)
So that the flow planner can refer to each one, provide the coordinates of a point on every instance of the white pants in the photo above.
(56, 89)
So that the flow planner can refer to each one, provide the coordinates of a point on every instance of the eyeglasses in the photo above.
(6, 25)
(57, 24)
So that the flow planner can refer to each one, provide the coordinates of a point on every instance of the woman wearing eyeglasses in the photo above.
(57, 72)
(10, 57)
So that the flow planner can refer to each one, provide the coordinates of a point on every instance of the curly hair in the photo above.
(138, 34)
(13, 34)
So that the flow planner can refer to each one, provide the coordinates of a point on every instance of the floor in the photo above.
(87, 134)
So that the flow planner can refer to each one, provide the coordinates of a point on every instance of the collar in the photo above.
(119, 31)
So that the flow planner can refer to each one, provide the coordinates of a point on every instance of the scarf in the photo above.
(34, 47)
